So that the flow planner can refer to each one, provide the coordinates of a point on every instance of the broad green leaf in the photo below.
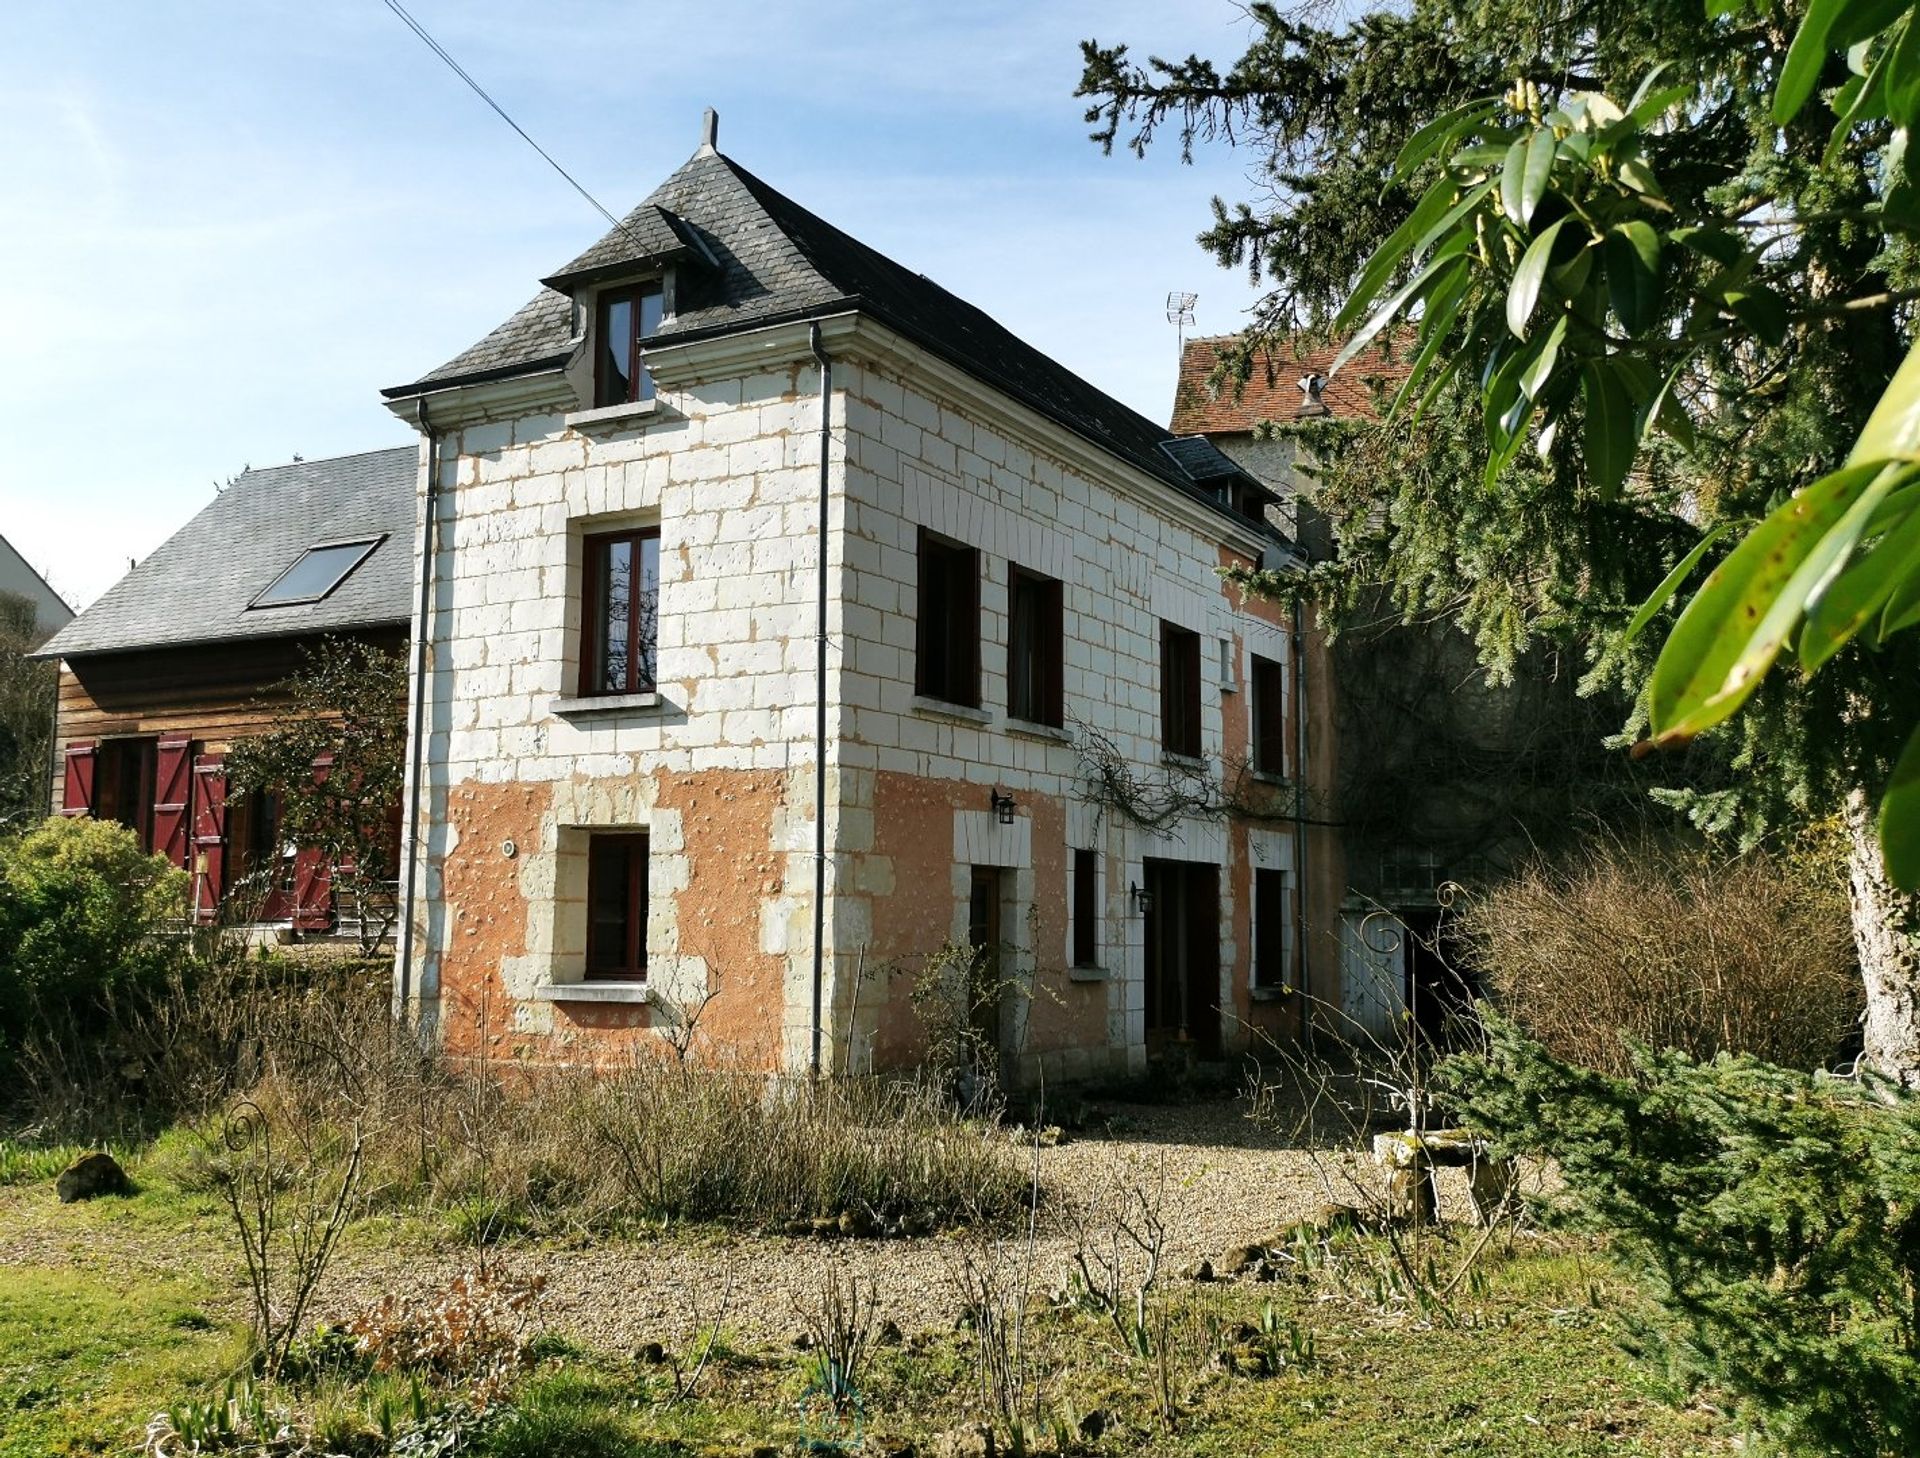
(1761, 310)
(1513, 180)
(1438, 133)
(1524, 291)
(1666, 413)
(1610, 433)
(1637, 175)
(1392, 254)
(1893, 430)
(1900, 817)
(1534, 378)
(1656, 104)
(1541, 151)
(1864, 19)
(1853, 598)
(1670, 584)
(1386, 313)
(1805, 59)
(1730, 634)
(1715, 244)
(1647, 83)
(1633, 274)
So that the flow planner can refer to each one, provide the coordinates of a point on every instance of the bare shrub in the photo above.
(1673, 948)
(476, 1335)
(289, 1198)
(838, 1321)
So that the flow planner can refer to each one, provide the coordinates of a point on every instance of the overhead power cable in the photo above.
(478, 90)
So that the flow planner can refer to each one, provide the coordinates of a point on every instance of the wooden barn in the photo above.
(183, 656)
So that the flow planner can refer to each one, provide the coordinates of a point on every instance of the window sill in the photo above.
(631, 992)
(1270, 777)
(941, 709)
(1270, 994)
(602, 704)
(1184, 761)
(610, 417)
(1086, 974)
(1032, 730)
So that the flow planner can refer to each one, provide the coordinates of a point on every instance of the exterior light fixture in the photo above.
(1002, 806)
(1142, 898)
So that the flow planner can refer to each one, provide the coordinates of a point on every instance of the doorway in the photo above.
(1182, 933)
(988, 1016)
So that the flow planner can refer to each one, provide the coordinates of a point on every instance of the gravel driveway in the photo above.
(1220, 1179)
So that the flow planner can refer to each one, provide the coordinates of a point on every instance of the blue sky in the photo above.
(228, 222)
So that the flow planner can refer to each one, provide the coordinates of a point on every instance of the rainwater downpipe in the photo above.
(820, 703)
(422, 655)
(1300, 803)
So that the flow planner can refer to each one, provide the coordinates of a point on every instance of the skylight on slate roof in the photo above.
(316, 572)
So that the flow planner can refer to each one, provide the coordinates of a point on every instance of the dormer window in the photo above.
(316, 572)
(629, 317)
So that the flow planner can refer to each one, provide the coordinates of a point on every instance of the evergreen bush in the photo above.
(1772, 1218)
(82, 909)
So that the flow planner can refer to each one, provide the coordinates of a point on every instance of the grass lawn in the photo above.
(117, 1309)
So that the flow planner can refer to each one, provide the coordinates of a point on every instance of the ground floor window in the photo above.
(1086, 913)
(1272, 918)
(617, 907)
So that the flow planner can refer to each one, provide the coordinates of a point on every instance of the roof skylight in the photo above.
(316, 572)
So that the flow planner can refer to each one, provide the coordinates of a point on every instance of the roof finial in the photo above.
(709, 133)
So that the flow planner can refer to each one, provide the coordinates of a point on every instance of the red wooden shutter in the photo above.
(172, 792)
(209, 835)
(313, 873)
(77, 796)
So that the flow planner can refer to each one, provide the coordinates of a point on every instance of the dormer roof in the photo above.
(768, 260)
(648, 238)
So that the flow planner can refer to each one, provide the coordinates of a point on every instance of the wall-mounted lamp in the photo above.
(1002, 806)
(1142, 898)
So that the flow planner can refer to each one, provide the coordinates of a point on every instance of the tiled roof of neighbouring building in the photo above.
(1360, 391)
(196, 586)
(772, 260)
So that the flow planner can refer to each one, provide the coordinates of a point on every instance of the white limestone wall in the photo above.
(729, 472)
(920, 459)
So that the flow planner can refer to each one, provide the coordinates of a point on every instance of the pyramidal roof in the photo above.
(765, 259)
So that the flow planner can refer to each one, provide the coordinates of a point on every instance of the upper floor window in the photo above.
(946, 661)
(628, 319)
(620, 612)
(1034, 614)
(1179, 690)
(1269, 717)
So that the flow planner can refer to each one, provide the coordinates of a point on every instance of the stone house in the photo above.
(785, 627)
(184, 655)
(778, 608)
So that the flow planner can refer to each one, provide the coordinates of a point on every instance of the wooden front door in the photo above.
(1182, 933)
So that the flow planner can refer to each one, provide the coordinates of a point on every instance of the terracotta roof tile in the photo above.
(1274, 392)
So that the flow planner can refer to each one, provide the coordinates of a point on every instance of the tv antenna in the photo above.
(1180, 315)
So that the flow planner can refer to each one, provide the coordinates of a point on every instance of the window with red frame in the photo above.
(628, 319)
(617, 907)
(620, 613)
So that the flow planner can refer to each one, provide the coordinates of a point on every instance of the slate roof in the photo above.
(1359, 391)
(777, 261)
(195, 587)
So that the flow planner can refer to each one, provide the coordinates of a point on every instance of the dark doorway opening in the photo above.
(124, 787)
(988, 1016)
(1182, 931)
(1439, 993)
